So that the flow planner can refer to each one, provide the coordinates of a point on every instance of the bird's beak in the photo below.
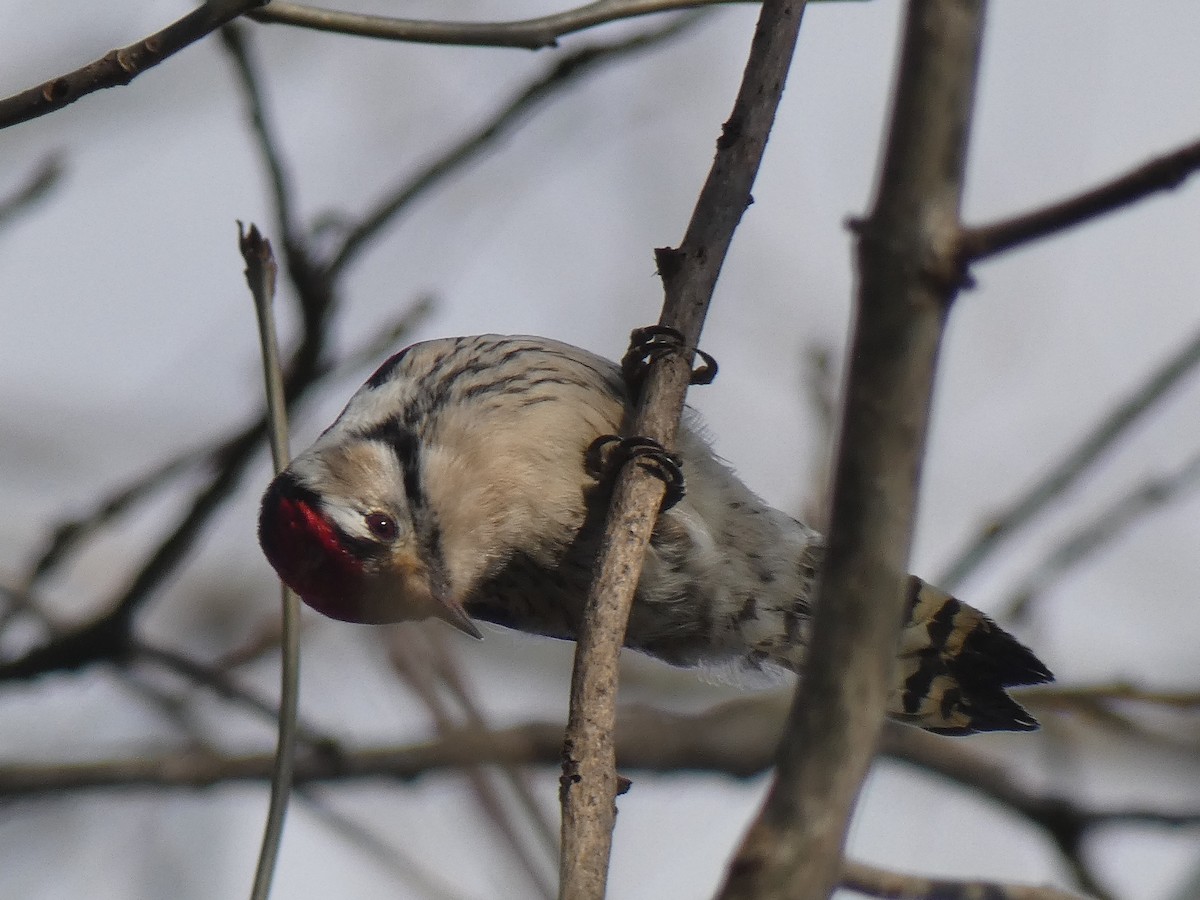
(454, 614)
(439, 601)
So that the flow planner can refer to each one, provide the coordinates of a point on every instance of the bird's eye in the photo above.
(382, 526)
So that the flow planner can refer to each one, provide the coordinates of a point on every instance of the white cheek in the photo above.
(348, 521)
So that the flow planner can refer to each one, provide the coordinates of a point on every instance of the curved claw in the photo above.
(704, 374)
(608, 453)
(651, 342)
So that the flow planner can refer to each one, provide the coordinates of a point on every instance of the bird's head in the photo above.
(343, 529)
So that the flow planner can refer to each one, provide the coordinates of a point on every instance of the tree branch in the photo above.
(1130, 410)
(421, 660)
(119, 67)
(566, 71)
(908, 276)
(37, 185)
(261, 273)
(1099, 530)
(689, 273)
(531, 34)
(1166, 172)
(876, 882)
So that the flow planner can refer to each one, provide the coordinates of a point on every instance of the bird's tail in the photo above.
(954, 665)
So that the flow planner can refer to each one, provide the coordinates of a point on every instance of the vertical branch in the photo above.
(689, 273)
(909, 274)
(261, 270)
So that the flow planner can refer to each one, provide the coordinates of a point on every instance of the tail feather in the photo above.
(954, 666)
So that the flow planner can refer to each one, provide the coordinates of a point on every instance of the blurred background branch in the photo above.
(205, 706)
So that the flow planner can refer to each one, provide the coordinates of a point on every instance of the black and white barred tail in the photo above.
(954, 665)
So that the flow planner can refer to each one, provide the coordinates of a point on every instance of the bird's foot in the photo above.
(609, 452)
(653, 342)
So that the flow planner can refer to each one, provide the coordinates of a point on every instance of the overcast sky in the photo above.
(126, 335)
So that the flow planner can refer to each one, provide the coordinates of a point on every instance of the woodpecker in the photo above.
(456, 485)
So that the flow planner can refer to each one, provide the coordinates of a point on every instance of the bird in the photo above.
(459, 483)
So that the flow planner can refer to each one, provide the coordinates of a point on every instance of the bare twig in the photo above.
(875, 882)
(530, 34)
(37, 185)
(119, 67)
(1058, 695)
(689, 273)
(261, 271)
(269, 147)
(820, 389)
(450, 673)
(1098, 531)
(1065, 821)
(1163, 173)
(1062, 477)
(566, 71)
(908, 276)
(734, 739)
(424, 881)
(225, 687)
(413, 655)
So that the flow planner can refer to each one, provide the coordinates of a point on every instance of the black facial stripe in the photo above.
(402, 441)
(429, 539)
(362, 549)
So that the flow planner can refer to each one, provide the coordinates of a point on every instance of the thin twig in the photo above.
(450, 673)
(734, 739)
(261, 270)
(1160, 174)
(119, 67)
(1102, 528)
(589, 781)
(820, 390)
(37, 185)
(1059, 695)
(566, 71)
(530, 34)
(221, 684)
(1130, 410)
(424, 882)
(875, 882)
(235, 40)
(908, 277)
(412, 652)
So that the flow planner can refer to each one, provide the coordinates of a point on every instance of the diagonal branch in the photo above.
(689, 273)
(421, 662)
(119, 67)
(1131, 409)
(1161, 174)
(1099, 530)
(37, 185)
(566, 71)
